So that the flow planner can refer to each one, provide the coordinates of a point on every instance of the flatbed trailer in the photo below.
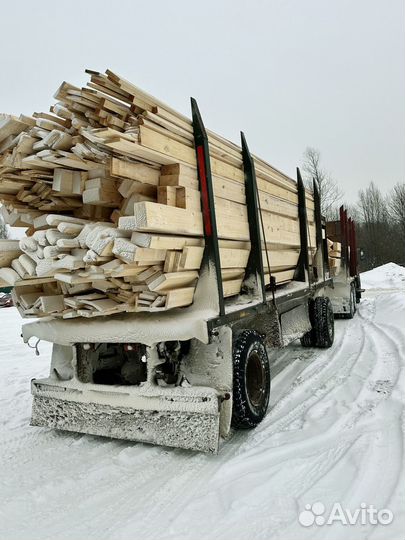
(191, 373)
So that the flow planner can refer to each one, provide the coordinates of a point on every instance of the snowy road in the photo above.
(334, 434)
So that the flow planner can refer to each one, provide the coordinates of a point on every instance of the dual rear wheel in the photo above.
(322, 320)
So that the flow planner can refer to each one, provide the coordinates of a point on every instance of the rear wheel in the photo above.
(308, 339)
(357, 287)
(251, 380)
(324, 322)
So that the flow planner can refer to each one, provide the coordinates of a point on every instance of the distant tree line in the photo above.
(380, 220)
(381, 226)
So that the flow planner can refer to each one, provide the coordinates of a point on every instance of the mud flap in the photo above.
(179, 417)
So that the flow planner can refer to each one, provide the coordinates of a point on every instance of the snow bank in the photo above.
(387, 276)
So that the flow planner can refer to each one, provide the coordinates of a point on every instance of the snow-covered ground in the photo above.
(334, 434)
(388, 276)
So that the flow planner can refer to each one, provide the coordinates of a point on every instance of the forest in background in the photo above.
(380, 219)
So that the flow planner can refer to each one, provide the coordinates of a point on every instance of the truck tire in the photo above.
(251, 380)
(308, 339)
(357, 286)
(324, 322)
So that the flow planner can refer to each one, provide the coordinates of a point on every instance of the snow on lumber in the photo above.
(106, 186)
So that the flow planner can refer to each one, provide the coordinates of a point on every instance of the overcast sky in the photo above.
(289, 73)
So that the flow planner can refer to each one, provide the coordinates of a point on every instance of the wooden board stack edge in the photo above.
(106, 185)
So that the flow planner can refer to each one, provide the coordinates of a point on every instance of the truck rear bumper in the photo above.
(179, 417)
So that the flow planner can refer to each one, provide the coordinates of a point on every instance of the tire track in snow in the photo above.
(239, 438)
(229, 450)
(121, 490)
(331, 447)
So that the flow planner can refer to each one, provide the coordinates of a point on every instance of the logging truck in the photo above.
(184, 377)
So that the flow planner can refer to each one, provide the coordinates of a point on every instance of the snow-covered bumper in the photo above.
(180, 417)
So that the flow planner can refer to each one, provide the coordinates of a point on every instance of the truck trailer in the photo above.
(183, 378)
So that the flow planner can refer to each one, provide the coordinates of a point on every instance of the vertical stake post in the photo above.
(303, 260)
(211, 252)
(354, 249)
(343, 235)
(254, 274)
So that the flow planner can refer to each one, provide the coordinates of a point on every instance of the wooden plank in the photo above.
(231, 287)
(233, 258)
(129, 252)
(281, 277)
(10, 125)
(52, 303)
(281, 259)
(128, 186)
(156, 241)
(135, 171)
(187, 198)
(170, 261)
(169, 147)
(150, 273)
(178, 180)
(75, 278)
(102, 197)
(232, 273)
(153, 217)
(108, 184)
(35, 281)
(129, 270)
(127, 205)
(232, 209)
(172, 280)
(179, 297)
(179, 169)
(229, 190)
(191, 258)
(136, 151)
(166, 195)
(68, 182)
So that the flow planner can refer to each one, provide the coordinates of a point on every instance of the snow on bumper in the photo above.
(179, 417)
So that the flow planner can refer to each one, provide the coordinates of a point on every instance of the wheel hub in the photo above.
(255, 380)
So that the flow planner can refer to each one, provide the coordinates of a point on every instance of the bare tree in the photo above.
(397, 220)
(329, 190)
(376, 231)
(397, 207)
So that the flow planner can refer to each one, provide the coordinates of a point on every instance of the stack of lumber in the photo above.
(335, 256)
(106, 184)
